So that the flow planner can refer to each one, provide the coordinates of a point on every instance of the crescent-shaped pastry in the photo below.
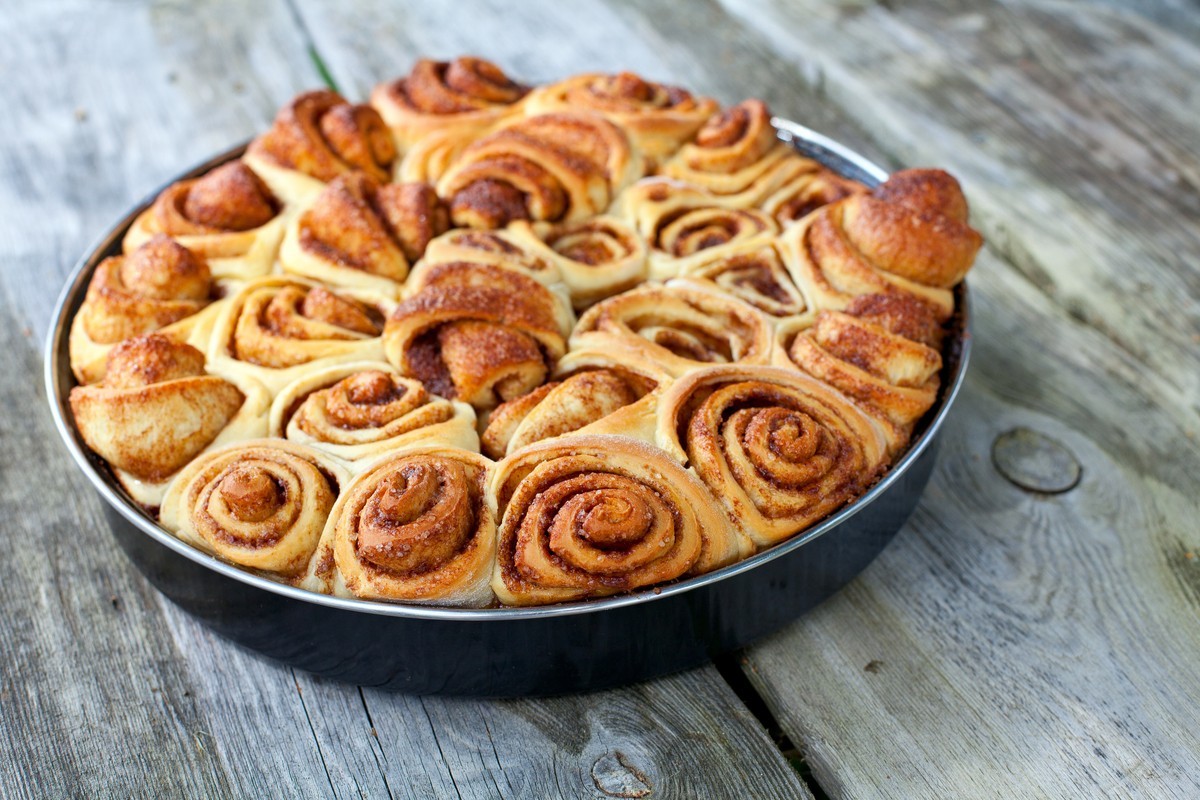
(362, 409)
(414, 527)
(228, 217)
(260, 504)
(315, 138)
(478, 333)
(589, 516)
(361, 234)
(779, 450)
(157, 409)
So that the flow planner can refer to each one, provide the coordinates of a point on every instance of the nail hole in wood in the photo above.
(616, 776)
(1035, 462)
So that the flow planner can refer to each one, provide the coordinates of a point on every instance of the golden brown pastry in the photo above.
(592, 392)
(414, 527)
(156, 409)
(160, 286)
(462, 97)
(277, 328)
(596, 258)
(680, 326)
(508, 248)
(658, 117)
(882, 351)
(552, 167)
(478, 333)
(228, 217)
(365, 408)
(806, 192)
(317, 137)
(738, 157)
(260, 504)
(589, 516)
(780, 450)
(362, 234)
(909, 235)
(752, 271)
(682, 224)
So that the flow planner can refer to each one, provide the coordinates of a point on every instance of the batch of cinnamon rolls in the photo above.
(477, 343)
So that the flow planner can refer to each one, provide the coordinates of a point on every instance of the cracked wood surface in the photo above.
(1008, 643)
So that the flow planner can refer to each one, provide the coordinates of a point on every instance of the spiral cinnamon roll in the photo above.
(276, 328)
(779, 450)
(592, 392)
(589, 516)
(658, 117)
(683, 225)
(413, 528)
(362, 234)
(365, 408)
(260, 504)
(753, 272)
(907, 236)
(808, 191)
(738, 157)
(462, 97)
(161, 286)
(156, 409)
(317, 137)
(597, 258)
(228, 217)
(478, 333)
(680, 326)
(553, 167)
(882, 351)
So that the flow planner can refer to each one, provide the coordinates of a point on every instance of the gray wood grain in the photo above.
(106, 688)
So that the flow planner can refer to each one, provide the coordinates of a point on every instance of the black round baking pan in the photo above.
(514, 651)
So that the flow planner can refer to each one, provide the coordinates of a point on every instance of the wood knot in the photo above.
(1035, 462)
(616, 776)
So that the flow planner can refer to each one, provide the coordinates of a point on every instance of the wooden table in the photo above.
(1014, 640)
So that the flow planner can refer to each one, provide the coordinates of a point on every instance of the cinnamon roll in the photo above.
(228, 217)
(753, 272)
(161, 286)
(592, 392)
(589, 516)
(461, 98)
(882, 351)
(414, 528)
(365, 408)
(478, 333)
(317, 137)
(597, 258)
(680, 326)
(808, 191)
(738, 157)
(362, 234)
(508, 248)
(260, 504)
(658, 117)
(156, 409)
(908, 236)
(552, 167)
(277, 328)
(778, 449)
(683, 225)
